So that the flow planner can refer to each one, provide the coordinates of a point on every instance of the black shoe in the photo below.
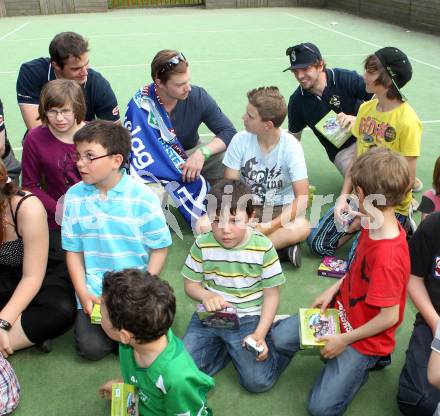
(45, 346)
(294, 255)
(382, 363)
(282, 254)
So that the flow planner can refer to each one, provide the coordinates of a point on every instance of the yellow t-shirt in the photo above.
(400, 130)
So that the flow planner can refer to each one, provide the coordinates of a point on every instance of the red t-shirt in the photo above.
(377, 279)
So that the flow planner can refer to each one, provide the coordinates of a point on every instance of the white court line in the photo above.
(15, 30)
(180, 32)
(277, 58)
(357, 39)
(212, 134)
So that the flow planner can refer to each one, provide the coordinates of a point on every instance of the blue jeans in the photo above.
(213, 348)
(416, 396)
(339, 380)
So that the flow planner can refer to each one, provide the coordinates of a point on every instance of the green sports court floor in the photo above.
(230, 52)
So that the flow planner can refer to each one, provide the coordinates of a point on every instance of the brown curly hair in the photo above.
(139, 302)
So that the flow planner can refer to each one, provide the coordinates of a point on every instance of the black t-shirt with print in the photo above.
(424, 249)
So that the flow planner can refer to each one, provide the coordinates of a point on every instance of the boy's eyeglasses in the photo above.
(87, 159)
(172, 62)
(64, 112)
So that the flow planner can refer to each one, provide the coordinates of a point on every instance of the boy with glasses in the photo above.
(110, 222)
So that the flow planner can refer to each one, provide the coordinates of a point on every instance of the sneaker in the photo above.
(382, 363)
(45, 346)
(415, 204)
(418, 185)
(280, 318)
(294, 254)
(282, 254)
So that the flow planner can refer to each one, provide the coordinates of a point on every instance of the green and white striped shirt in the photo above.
(238, 274)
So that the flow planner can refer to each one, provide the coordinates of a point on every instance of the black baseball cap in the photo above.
(397, 65)
(302, 55)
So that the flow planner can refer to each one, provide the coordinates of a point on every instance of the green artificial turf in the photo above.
(230, 52)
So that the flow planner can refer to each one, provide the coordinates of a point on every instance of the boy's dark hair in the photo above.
(270, 104)
(111, 136)
(233, 193)
(373, 64)
(139, 302)
(60, 92)
(67, 44)
(383, 172)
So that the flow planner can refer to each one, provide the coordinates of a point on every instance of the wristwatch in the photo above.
(5, 325)
(206, 152)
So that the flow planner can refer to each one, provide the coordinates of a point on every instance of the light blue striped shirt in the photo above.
(113, 233)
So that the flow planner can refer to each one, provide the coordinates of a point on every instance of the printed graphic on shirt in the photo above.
(356, 295)
(263, 181)
(437, 268)
(343, 317)
(67, 165)
(375, 133)
(359, 292)
(335, 100)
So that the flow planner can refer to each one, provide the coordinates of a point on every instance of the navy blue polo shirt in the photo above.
(345, 92)
(100, 99)
(199, 107)
(3, 127)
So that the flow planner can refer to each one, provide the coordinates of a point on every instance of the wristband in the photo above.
(206, 152)
(5, 325)
(436, 341)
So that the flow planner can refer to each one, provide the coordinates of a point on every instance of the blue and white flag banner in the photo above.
(157, 155)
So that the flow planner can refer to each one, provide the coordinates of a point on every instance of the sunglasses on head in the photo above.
(172, 62)
(300, 48)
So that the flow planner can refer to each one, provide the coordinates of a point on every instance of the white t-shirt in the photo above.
(270, 175)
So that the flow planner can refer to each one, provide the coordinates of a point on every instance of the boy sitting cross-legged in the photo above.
(235, 265)
(371, 297)
(110, 222)
(271, 161)
(138, 310)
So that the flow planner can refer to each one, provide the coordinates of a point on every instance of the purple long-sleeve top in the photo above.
(48, 169)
